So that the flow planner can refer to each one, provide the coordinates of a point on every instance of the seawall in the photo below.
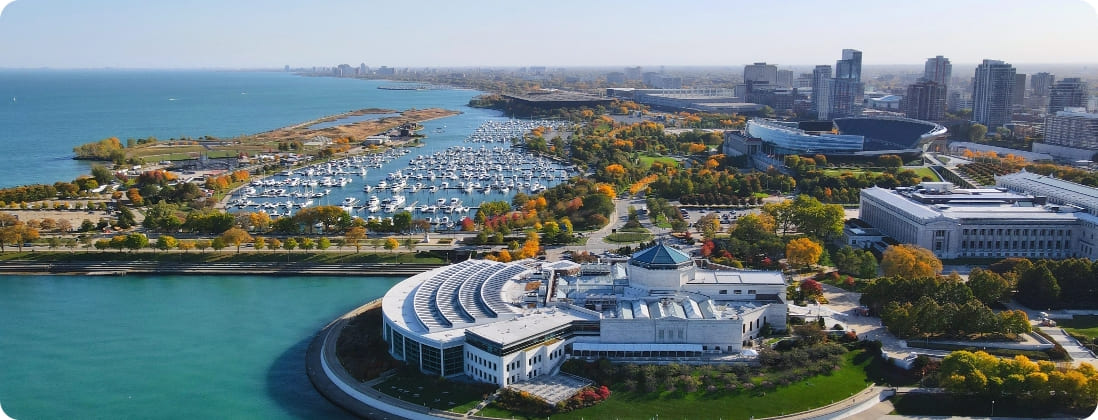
(212, 268)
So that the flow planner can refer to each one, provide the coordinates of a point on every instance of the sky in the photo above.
(567, 33)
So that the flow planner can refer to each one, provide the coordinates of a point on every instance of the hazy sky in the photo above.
(271, 33)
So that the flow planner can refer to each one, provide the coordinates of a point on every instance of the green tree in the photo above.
(324, 243)
(136, 241)
(290, 244)
(977, 132)
(218, 244)
(988, 286)
(1037, 287)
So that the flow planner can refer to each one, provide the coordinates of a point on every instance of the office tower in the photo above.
(633, 73)
(1019, 89)
(925, 100)
(1072, 127)
(992, 93)
(804, 81)
(760, 72)
(850, 67)
(1040, 83)
(615, 78)
(785, 78)
(821, 81)
(939, 70)
(1070, 92)
(846, 89)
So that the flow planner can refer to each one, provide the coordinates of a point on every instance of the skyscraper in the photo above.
(938, 69)
(992, 93)
(1019, 89)
(760, 72)
(821, 81)
(925, 100)
(1070, 92)
(846, 90)
(1040, 83)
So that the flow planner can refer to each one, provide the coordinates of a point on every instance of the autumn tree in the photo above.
(355, 236)
(391, 244)
(803, 252)
(910, 261)
(236, 236)
(165, 242)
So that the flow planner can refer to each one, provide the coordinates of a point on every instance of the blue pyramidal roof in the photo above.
(661, 254)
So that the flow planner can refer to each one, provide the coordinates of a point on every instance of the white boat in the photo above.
(349, 201)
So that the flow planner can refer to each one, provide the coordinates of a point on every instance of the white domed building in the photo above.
(507, 322)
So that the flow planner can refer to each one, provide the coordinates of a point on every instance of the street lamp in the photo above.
(992, 408)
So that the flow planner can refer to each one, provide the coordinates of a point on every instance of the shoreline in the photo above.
(120, 268)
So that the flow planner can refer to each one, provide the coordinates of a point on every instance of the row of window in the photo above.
(737, 292)
(1017, 232)
(1065, 244)
(480, 360)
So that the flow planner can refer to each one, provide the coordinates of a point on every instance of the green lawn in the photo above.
(926, 172)
(810, 393)
(647, 161)
(436, 393)
(1081, 324)
(628, 237)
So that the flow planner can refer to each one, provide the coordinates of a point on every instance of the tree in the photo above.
(803, 252)
(275, 244)
(391, 244)
(236, 236)
(186, 245)
(290, 244)
(811, 288)
(410, 244)
(1037, 287)
(910, 261)
(136, 241)
(977, 132)
(355, 236)
(402, 221)
(125, 217)
(102, 175)
(165, 242)
(324, 243)
(202, 244)
(218, 244)
(988, 286)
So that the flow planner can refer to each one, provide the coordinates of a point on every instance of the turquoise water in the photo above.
(167, 347)
(45, 113)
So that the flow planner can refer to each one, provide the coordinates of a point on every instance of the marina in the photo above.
(442, 186)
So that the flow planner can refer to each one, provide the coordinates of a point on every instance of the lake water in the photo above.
(167, 347)
(173, 347)
(45, 113)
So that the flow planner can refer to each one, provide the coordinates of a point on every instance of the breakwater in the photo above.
(208, 268)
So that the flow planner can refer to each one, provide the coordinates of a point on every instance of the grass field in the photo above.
(816, 391)
(666, 161)
(1081, 324)
(922, 172)
(627, 237)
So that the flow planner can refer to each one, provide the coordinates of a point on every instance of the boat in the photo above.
(349, 201)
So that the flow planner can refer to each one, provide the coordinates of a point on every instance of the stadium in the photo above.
(505, 323)
(858, 136)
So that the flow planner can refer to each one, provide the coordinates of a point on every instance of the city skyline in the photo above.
(254, 34)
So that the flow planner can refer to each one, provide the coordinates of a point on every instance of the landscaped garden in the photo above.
(438, 393)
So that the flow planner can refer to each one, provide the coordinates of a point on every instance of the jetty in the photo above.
(121, 268)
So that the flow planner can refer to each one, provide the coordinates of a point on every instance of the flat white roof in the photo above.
(531, 324)
(737, 277)
(582, 346)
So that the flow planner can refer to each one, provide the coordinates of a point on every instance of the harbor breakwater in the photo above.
(206, 268)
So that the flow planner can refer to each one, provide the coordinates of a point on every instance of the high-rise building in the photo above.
(633, 73)
(615, 78)
(1070, 92)
(1019, 89)
(821, 81)
(846, 89)
(1040, 83)
(992, 93)
(760, 72)
(804, 81)
(925, 100)
(850, 67)
(785, 78)
(1073, 127)
(939, 70)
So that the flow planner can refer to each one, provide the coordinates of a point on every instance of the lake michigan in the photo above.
(171, 346)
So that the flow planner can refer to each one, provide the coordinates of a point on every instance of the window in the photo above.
(751, 292)
(964, 231)
(739, 292)
(723, 292)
